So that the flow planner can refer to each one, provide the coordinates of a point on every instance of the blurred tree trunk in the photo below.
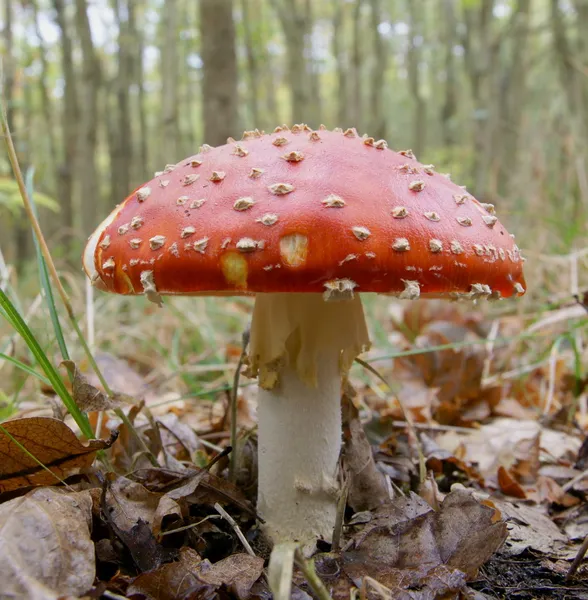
(8, 99)
(46, 104)
(8, 63)
(297, 26)
(70, 115)
(121, 154)
(413, 61)
(355, 98)
(88, 126)
(572, 78)
(220, 92)
(268, 65)
(252, 66)
(314, 111)
(449, 108)
(513, 95)
(338, 44)
(582, 11)
(479, 53)
(188, 23)
(378, 75)
(169, 132)
(141, 166)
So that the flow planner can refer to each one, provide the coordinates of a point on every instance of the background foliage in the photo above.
(101, 93)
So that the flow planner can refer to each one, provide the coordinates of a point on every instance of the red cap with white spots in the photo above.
(304, 211)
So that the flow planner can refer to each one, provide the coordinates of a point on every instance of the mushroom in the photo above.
(305, 231)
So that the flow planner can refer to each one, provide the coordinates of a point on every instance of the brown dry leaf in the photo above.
(173, 433)
(367, 485)
(45, 545)
(51, 442)
(128, 502)
(508, 485)
(86, 396)
(500, 442)
(192, 577)
(408, 535)
(529, 528)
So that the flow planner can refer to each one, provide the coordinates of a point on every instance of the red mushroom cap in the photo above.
(303, 211)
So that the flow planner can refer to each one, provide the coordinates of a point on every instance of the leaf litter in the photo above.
(502, 507)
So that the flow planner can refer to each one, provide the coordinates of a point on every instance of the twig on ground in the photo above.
(579, 557)
(223, 513)
(339, 519)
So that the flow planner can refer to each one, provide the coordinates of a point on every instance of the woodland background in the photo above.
(102, 93)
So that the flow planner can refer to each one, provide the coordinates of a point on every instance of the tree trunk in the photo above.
(88, 127)
(121, 156)
(8, 67)
(338, 42)
(252, 67)
(356, 97)
(378, 75)
(169, 133)
(449, 109)
(513, 96)
(70, 116)
(141, 166)
(220, 92)
(413, 60)
(479, 53)
(295, 21)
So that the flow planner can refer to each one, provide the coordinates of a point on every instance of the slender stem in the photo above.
(310, 574)
(235, 453)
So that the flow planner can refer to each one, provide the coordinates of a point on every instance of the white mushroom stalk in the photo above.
(301, 347)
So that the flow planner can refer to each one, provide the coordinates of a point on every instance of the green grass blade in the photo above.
(44, 277)
(24, 367)
(17, 322)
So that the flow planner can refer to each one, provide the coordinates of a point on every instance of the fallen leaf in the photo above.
(407, 534)
(86, 396)
(367, 485)
(529, 528)
(49, 441)
(45, 544)
(173, 580)
(508, 485)
(192, 577)
(147, 554)
(128, 502)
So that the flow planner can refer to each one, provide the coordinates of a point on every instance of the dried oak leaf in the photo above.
(128, 502)
(367, 485)
(192, 577)
(530, 528)
(508, 484)
(407, 534)
(194, 486)
(88, 397)
(47, 441)
(45, 545)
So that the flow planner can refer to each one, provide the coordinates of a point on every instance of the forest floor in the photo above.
(465, 456)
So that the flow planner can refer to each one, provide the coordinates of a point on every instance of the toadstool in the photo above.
(304, 220)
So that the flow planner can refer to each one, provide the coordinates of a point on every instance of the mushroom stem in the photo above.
(299, 446)
(301, 346)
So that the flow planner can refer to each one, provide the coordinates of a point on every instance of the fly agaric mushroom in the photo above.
(304, 220)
